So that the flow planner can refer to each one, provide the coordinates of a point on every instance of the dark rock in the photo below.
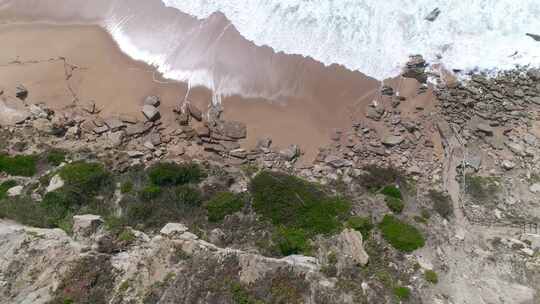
(416, 68)
(387, 90)
(433, 15)
(534, 36)
(21, 92)
(183, 118)
(534, 74)
(232, 129)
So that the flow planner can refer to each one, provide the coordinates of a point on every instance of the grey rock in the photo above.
(89, 107)
(515, 147)
(534, 74)
(508, 165)
(86, 225)
(433, 15)
(173, 229)
(232, 129)
(55, 183)
(485, 129)
(21, 92)
(535, 188)
(263, 144)
(392, 140)
(337, 162)
(150, 112)
(101, 130)
(194, 111)
(114, 124)
(351, 246)
(290, 153)
(152, 101)
(15, 191)
(535, 37)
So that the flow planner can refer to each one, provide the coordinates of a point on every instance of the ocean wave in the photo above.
(376, 37)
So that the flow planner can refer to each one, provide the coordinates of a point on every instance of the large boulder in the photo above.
(416, 68)
(350, 246)
(150, 112)
(392, 140)
(152, 101)
(12, 112)
(55, 183)
(86, 225)
(173, 229)
(232, 129)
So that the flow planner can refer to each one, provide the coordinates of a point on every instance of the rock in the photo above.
(387, 90)
(183, 118)
(37, 112)
(173, 229)
(152, 101)
(415, 68)
(137, 129)
(535, 100)
(89, 107)
(515, 147)
(194, 111)
(15, 191)
(263, 144)
(533, 36)
(350, 245)
(12, 112)
(42, 125)
(374, 113)
(508, 165)
(135, 154)
(128, 119)
(392, 140)
(290, 153)
(534, 74)
(535, 188)
(433, 15)
(101, 130)
(232, 129)
(116, 138)
(485, 129)
(202, 131)
(216, 236)
(114, 124)
(86, 225)
(21, 92)
(337, 162)
(55, 183)
(150, 112)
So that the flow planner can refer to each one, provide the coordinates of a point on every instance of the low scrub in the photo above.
(442, 203)
(394, 204)
(482, 189)
(292, 241)
(55, 157)
(85, 178)
(25, 211)
(361, 224)
(431, 276)
(377, 177)
(402, 293)
(291, 202)
(171, 174)
(20, 165)
(223, 204)
(400, 235)
(5, 186)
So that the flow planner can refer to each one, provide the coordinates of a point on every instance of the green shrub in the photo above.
(394, 204)
(431, 276)
(376, 177)
(361, 224)
(171, 174)
(5, 186)
(292, 241)
(289, 201)
(25, 211)
(59, 205)
(20, 165)
(400, 235)
(188, 195)
(241, 296)
(402, 293)
(441, 203)
(126, 187)
(481, 189)
(149, 193)
(84, 178)
(55, 157)
(223, 204)
(126, 236)
(392, 191)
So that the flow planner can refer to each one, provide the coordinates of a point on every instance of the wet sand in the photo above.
(95, 69)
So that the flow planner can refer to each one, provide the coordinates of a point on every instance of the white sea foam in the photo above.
(375, 37)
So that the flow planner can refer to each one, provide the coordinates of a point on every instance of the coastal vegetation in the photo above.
(402, 236)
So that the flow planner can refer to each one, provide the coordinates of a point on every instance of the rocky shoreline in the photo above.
(477, 146)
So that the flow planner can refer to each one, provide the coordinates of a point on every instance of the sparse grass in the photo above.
(150, 192)
(442, 203)
(482, 189)
(402, 293)
(126, 236)
(126, 187)
(241, 296)
(5, 186)
(223, 204)
(19, 165)
(170, 174)
(400, 235)
(55, 157)
(361, 224)
(431, 276)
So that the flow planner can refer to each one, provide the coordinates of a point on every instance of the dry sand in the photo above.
(95, 69)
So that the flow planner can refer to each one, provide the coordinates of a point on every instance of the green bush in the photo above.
(394, 204)
(5, 186)
(171, 174)
(84, 178)
(361, 224)
(441, 203)
(400, 235)
(289, 201)
(392, 191)
(24, 211)
(376, 177)
(20, 165)
(150, 192)
(126, 187)
(402, 293)
(55, 157)
(223, 204)
(431, 276)
(188, 195)
(59, 205)
(292, 241)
